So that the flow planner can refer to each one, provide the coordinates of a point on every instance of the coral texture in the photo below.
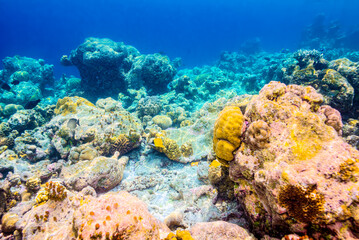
(305, 174)
(228, 130)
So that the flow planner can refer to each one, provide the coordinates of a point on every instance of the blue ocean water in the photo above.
(195, 30)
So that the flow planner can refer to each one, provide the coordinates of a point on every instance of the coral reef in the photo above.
(110, 216)
(336, 80)
(206, 157)
(292, 183)
(148, 106)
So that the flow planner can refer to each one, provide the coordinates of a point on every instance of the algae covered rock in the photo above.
(154, 71)
(219, 230)
(305, 174)
(103, 64)
(311, 69)
(84, 216)
(101, 173)
(106, 127)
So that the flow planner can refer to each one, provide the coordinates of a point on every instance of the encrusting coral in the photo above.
(303, 204)
(69, 105)
(180, 235)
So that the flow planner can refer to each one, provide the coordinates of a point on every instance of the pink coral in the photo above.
(305, 157)
(333, 118)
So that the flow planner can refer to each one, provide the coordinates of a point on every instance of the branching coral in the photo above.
(227, 132)
(304, 204)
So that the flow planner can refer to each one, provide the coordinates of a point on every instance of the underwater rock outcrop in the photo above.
(27, 80)
(111, 67)
(24, 69)
(85, 216)
(105, 128)
(103, 64)
(311, 69)
(101, 173)
(154, 71)
(305, 177)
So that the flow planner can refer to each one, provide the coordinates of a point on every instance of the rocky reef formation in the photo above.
(180, 154)
(111, 67)
(292, 170)
(335, 80)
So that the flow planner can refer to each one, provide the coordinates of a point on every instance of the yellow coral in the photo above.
(180, 235)
(215, 164)
(349, 171)
(169, 147)
(308, 134)
(186, 149)
(51, 191)
(228, 129)
(69, 105)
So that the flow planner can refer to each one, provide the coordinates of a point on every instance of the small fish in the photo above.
(32, 104)
(73, 123)
(15, 82)
(267, 58)
(194, 164)
(5, 86)
(158, 143)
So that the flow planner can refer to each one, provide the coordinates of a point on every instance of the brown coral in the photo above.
(170, 149)
(333, 118)
(257, 134)
(187, 149)
(304, 204)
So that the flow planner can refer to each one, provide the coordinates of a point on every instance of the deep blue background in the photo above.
(195, 30)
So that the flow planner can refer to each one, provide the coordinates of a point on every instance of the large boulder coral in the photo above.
(304, 176)
(219, 230)
(101, 173)
(103, 64)
(154, 71)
